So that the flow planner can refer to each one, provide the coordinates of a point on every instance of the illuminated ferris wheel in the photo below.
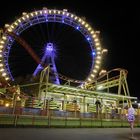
(14, 31)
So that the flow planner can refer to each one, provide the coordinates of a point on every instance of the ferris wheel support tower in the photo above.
(48, 59)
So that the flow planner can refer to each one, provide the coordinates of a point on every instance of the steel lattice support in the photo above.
(44, 78)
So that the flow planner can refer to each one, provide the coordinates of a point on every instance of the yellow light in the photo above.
(92, 32)
(72, 16)
(7, 105)
(97, 66)
(54, 11)
(1, 46)
(104, 51)
(7, 25)
(98, 52)
(75, 17)
(99, 87)
(24, 13)
(36, 13)
(102, 72)
(27, 16)
(99, 57)
(4, 74)
(92, 75)
(95, 71)
(4, 37)
(1, 69)
(79, 20)
(2, 42)
(63, 13)
(19, 20)
(96, 39)
(89, 79)
(16, 23)
(89, 29)
(12, 26)
(23, 18)
(32, 14)
(40, 12)
(86, 25)
(50, 11)
(83, 22)
(94, 36)
(7, 78)
(98, 48)
(18, 98)
(59, 12)
(97, 44)
(0, 55)
(9, 30)
(97, 61)
(1, 65)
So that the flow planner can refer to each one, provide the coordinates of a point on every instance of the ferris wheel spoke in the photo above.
(42, 33)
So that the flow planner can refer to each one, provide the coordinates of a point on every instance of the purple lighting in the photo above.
(49, 47)
(77, 27)
(93, 53)
(50, 16)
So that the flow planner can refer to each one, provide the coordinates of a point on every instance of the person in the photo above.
(113, 112)
(131, 119)
(98, 107)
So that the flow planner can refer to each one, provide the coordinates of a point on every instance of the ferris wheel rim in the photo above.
(50, 15)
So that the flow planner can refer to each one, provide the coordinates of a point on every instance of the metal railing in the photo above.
(31, 117)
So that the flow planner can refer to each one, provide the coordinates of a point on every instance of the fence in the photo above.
(31, 117)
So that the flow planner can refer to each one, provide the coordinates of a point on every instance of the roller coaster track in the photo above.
(113, 78)
(118, 80)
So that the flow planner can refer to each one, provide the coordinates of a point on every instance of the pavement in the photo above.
(67, 133)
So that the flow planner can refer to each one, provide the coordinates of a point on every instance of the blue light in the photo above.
(77, 27)
(88, 38)
(93, 53)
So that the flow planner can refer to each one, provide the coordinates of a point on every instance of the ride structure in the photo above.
(48, 15)
(48, 59)
(94, 87)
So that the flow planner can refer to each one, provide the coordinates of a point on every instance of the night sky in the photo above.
(118, 23)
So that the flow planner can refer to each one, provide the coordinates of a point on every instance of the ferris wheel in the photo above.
(14, 31)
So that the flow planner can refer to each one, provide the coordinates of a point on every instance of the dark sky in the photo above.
(118, 23)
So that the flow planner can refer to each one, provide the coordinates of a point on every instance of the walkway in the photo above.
(67, 134)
